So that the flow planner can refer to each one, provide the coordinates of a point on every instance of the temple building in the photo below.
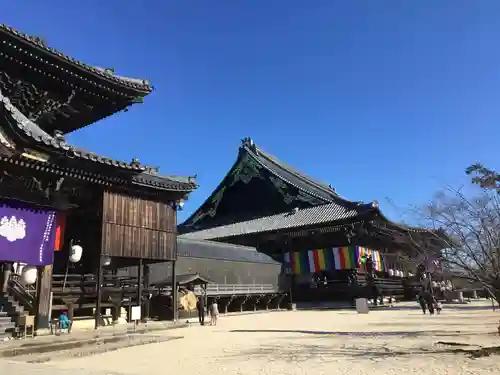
(69, 216)
(322, 240)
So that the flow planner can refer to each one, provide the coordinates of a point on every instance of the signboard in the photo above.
(27, 235)
(135, 313)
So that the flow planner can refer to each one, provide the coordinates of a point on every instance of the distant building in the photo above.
(319, 237)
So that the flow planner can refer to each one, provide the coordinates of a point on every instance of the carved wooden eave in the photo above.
(6, 141)
(57, 91)
(35, 148)
(32, 45)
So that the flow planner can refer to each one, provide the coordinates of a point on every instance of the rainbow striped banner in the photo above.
(378, 261)
(300, 262)
(321, 259)
(366, 252)
(337, 258)
(344, 258)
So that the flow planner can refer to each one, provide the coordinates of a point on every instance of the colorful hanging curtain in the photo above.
(379, 263)
(344, 258)
(364, 252)
(300, 262)
(337, 258)
(27, 234)
(321, 259)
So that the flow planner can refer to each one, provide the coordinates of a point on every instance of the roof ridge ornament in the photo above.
(38, 40)
(59, 136)
(249, 143)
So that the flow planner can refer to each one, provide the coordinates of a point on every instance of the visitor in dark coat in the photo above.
(422, 302)
(200, 306)
(430, 303)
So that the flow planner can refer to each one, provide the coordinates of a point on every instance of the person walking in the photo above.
(438, 307)
(430, 303)
(214, 312)
(200, 306)
(422, 302)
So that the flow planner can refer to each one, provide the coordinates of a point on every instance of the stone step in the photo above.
(10, 305)
(10, 311)
(7, 327)
(4, 325)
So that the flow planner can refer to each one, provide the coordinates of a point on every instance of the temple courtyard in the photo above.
(395, 341)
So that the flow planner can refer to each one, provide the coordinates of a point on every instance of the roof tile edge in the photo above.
(134, 83)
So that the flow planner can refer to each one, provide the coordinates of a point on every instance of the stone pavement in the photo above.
(89, 334)
(7, 367)
(306, 342)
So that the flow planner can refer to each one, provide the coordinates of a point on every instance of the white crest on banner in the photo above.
(12, 229)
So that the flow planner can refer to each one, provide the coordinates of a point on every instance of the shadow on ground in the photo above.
(352, 334)
(445, 307)
(300, 352)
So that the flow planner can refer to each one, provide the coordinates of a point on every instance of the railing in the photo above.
(87, 282)
(240, 288)
(233, 289)
(22, 294)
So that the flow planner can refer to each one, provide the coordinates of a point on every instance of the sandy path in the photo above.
(310, 342)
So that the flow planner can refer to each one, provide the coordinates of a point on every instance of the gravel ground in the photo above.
(304, 342)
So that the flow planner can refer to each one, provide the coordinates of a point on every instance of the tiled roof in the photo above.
(289, 174)
(30, 129)
(191, 248)
(321, 214)
(106, 74)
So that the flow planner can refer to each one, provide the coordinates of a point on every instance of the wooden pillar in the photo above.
(99, 276)
(147, 302)
(117, 301)
(284, 276)
(43, 296)
(139, 285)
(204, 288)
(71, 310)
(174, 292)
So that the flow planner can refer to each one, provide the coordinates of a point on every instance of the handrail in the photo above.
(239, 288)
(88, 280)
(20, 293)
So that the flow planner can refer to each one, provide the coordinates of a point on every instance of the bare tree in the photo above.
(472, 225)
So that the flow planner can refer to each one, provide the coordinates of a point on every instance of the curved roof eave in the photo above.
(32, 131)
(141, 85)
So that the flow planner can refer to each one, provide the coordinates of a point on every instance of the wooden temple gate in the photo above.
(118, 213)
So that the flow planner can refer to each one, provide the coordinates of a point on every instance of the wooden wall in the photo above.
(133, 227)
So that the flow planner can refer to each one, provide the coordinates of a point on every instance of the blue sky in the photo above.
(379, 98)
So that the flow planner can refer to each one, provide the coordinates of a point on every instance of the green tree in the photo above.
(484, 177)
